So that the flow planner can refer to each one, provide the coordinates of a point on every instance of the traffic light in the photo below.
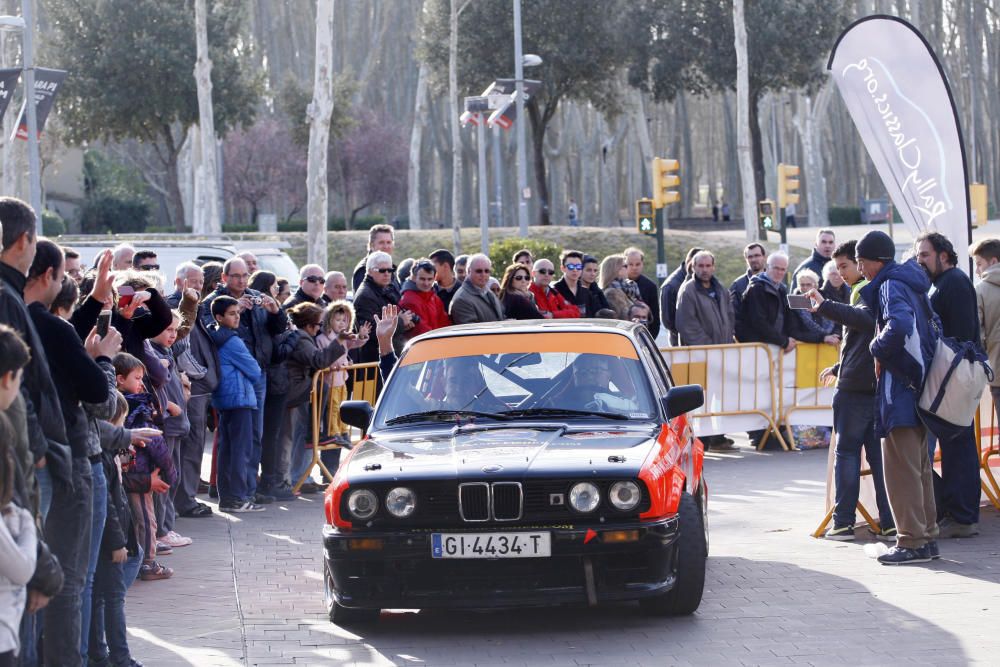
(788, 185)
(766, 215)
(645, 216)
(665, 179)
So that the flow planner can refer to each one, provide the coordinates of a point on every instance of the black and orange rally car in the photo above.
(520, 464)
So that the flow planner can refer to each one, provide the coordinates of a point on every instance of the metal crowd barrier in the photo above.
(724, 372)
(363, 384)
(807, 392)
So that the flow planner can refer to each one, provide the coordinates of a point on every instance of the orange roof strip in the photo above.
(614, 345)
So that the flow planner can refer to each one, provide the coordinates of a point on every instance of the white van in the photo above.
(271, 255)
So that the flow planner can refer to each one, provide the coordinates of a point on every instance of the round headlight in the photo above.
(362, 504)
(624, 495)
(401, 502)
(584, 497)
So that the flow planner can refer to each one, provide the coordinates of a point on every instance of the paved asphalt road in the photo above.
(249, 592)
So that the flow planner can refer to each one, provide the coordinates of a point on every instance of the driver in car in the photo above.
(465, 388)
(590, 386)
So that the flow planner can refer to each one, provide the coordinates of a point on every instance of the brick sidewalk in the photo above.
(249, 591)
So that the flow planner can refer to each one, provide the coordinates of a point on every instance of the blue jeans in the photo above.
(854, 422)
(67, 530)
(301, 458)
(253, 464)
(107, 628)
(235, 448)
(100, 515)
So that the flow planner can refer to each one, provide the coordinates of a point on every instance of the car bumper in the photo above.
(402, 572)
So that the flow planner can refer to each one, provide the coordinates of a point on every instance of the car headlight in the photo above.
(584, 497)
(624, 496)
(401, 502)
(362, 504)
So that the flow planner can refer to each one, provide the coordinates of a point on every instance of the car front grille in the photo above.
(481, 501)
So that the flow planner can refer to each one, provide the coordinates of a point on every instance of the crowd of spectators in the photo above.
(111, 382)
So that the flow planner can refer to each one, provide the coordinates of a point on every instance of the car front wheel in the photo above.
(692, 553)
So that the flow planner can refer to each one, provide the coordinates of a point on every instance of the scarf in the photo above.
(630, 287)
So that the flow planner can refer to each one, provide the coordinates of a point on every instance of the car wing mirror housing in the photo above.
(684, 398)
(357, 414)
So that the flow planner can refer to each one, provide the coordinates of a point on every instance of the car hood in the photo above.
(502, 452)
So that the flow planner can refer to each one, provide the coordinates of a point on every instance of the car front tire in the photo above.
(692, 554)
(339, 614)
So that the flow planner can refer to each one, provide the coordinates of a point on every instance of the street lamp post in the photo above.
(26, 25)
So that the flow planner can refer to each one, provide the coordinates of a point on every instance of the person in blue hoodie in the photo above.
(235, 400)
(903, 346)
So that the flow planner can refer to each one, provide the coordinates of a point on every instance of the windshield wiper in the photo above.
(563, 412)
(441, 415)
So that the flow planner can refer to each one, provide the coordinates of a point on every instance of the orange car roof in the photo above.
(608, 344)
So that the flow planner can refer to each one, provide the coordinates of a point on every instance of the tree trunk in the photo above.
(746, 120)
(807, 119)
(416, 139)
(641, 127)
(320, 111)
(456, 140)
(174, 198)
(539, 123)
(209, 204)
(757, 144)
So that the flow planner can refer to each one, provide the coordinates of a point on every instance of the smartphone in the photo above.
(799, 302)
(125, 295)
(103, 322)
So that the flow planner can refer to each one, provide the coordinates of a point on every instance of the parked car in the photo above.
(520, 464)
(271, 255)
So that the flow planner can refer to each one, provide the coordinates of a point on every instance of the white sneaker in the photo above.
(176, 540)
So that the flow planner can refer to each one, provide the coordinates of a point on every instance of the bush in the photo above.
(334, 225)
(502, 251)
(109, 214)
(844, 215)
(52, 223)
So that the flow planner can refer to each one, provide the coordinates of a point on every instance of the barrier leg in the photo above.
(994, 500)
(305, 475)
(821, 530)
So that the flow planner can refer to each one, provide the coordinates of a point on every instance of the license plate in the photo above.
(491, 545)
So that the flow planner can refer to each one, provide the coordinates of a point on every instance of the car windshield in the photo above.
(507, 385)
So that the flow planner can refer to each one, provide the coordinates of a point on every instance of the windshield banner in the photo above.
(901, 103)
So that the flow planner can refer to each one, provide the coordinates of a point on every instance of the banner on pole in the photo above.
(47, 82)
(8, 81)
(899, 98)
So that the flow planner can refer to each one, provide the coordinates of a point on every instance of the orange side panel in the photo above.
(662, 476)
(609, 344)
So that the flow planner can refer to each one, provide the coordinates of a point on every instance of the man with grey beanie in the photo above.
(902, 347)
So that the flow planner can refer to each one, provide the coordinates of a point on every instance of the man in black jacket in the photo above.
(823, 247)
(756, 257)
(669, 290)
(953, 298)
(311, 284)
(765, 307)
(262, 321)
(68, 526)
(378, 290)
(381, 238)
(647, 288)
(853, 403)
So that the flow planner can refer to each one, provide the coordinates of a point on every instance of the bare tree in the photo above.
(206, 211)
(456, 139)
(320, 111)
(743, 147)
(416, 139)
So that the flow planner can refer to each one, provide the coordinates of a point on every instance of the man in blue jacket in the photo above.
(903, 346)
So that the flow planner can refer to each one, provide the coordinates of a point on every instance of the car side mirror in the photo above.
(684, 398)
(356, 413)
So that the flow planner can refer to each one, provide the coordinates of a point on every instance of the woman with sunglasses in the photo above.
(515, 295)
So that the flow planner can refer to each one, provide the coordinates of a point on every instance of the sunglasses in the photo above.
(521, 276)
(149, 267)
(481, 271)
(315, 279)
(385, 271)
(547, 272)
(574, 267)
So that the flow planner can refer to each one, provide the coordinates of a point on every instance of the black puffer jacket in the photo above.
(764, 313)
(368, 301)
(856, 369)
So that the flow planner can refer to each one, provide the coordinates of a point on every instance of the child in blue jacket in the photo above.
(235, 401)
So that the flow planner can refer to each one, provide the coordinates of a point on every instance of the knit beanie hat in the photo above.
(876, 245)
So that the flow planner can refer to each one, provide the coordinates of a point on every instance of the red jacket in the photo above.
(429, 307)
(553, 302)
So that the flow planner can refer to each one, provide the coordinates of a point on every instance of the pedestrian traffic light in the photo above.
(665, 179)
(765, 215)
(788, 185)
(645, 216)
